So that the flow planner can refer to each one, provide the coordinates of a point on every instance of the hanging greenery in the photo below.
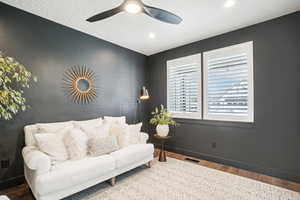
(13, 78)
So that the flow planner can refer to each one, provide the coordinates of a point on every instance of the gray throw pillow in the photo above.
(102, 145)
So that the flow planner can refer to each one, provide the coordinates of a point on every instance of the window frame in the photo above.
(185, 61)
(246, 47)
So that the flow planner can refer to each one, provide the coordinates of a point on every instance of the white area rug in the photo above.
(180, 180)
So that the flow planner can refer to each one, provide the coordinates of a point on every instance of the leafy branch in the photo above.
(13, 78)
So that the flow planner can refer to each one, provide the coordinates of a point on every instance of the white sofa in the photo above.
(54, 182)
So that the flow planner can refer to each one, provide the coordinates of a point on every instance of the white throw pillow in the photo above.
(92, 131)
(123, 140)
(53, 145)
(117, 120)
(76, 144)
(103, 130)
(121, 132)
(134, 132)
(102, 145)
(118, 129)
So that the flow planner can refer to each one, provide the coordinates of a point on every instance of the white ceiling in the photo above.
(202, 19)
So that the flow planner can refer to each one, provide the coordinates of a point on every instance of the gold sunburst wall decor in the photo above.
(79, 84)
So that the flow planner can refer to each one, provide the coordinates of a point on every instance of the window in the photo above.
(184, 87)
(228, 83)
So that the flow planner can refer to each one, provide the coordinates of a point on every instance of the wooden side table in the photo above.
(162, 153)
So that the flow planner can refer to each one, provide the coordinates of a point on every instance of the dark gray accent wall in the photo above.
(48, 49)
(271, 145)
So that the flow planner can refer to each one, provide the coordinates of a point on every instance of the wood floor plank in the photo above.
(244, 173)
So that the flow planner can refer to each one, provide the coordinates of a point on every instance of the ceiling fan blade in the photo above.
(105, 14)
(162, 15)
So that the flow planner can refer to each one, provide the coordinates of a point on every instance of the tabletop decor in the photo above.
(79, 83)
(162, 119)
(14, 77)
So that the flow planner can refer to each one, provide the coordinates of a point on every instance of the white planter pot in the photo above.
(162, 130)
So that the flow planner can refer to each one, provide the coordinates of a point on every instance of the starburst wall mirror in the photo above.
(79, 84)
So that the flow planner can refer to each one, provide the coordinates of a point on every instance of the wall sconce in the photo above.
(144, 94)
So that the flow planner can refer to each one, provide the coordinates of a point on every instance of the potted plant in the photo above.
(162, 118)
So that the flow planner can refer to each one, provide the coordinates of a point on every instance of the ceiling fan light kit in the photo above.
(137, 6)
(132, 7)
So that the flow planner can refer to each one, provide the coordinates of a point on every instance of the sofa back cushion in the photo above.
(92, 128)
(118, 120)
(91, 122)
(31, 130)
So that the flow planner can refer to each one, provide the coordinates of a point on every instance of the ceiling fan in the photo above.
(137, 6)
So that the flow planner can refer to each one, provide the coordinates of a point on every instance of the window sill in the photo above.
(202, 122)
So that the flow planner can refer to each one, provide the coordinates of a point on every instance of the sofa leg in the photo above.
(149, 164)
(112, 181)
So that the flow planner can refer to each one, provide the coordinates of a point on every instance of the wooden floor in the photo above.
(22, 192)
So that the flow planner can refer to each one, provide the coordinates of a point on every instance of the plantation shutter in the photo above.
(184, 81)
(228, 83)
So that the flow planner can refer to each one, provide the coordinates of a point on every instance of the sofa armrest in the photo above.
(144, 137)
(36, 160)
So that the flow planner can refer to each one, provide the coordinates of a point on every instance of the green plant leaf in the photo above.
(162, 116)
(13, 77)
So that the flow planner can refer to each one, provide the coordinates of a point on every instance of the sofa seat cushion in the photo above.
(131, 154)
(71, 173)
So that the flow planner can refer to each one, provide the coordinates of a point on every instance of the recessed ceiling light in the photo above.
(133, 7)
(229, 3)
(152, 35)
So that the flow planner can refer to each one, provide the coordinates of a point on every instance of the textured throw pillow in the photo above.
(53, 145)
(102, 145)
(134, 132)
(116, 120)
(76, 144)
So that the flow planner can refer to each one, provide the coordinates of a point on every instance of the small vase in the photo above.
(162, 130)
